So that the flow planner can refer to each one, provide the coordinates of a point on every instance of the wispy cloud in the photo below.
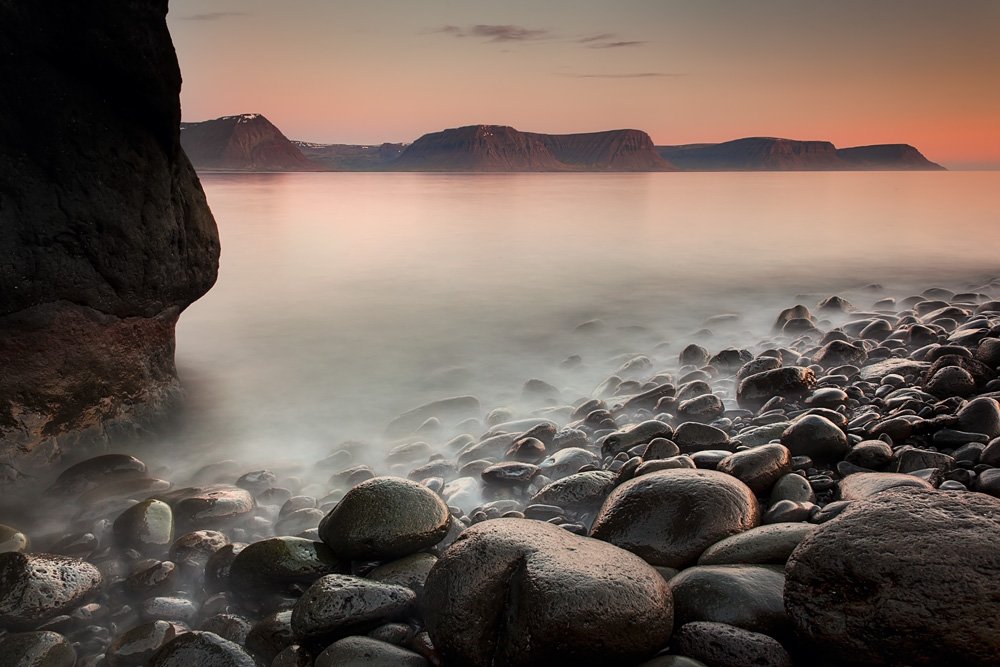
(614, 45)
(496, 33)
(214, 16)
(622, 75)
(606, 40)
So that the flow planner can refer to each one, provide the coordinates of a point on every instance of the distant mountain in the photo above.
(349, 157)
(502, 148)
(887, 156)
(247, 142)
(775, 154)
(250, 142)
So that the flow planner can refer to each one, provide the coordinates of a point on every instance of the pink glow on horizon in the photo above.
(852, 72)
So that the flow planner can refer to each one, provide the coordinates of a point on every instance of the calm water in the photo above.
(344, 299)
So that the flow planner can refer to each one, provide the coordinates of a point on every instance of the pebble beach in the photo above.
(825, 493)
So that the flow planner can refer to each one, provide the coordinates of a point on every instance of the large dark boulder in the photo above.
(670, 517)
(907, 577)
(105, 234)
(521, 592)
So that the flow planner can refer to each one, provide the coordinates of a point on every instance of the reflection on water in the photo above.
(344, 299)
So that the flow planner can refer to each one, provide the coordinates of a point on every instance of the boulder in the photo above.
(747, 596)
(790, 382)
(519, 592)
(106, 237)
(722, 645)
(669, 517)
(337, 605)
(385, 518)
(37, 587)
(906, 577)
(201, 649)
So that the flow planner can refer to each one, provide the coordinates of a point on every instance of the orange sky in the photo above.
(366, 71)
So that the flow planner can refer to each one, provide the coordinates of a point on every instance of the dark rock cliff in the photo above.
(774, 154)
(502, 148)
(887, 156)
(247, 142)
(105, 234)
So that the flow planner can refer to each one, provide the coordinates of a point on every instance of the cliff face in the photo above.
(501, 148)
(105, 234)
(772, 154)
(754, 153)
(248, 142)
(887, 156)
(614, 150)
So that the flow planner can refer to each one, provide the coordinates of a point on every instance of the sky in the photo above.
(854, 72)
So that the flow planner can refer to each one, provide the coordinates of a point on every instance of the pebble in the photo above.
(384, 518)
(37, 587)
(337, 605)
(670, 517)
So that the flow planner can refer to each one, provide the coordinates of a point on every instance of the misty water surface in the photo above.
(344, 299)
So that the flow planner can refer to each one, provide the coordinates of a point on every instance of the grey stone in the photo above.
(869, 587)
(519, 592)
(670, 517)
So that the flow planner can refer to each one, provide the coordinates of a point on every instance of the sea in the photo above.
(344, 299)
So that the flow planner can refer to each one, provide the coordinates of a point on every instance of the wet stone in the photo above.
(37, 587)
(670, 517)
(816, 437)
(277, 563)
(338, 605)
(147, 527)
(722, 645)
(201, 649)
(761, 545)
(385, 518)
(369, 652)
(36, 649)
(137, 645)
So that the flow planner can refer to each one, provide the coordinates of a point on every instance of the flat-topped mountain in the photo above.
(247, 142)
(502, 148)
(250, 142)
(887, 156)
(775, 154)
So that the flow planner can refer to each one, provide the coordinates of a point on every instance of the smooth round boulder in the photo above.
(385, 518)
(789, 382)
(866, 484)
(409, 571)
(669, 517)
(870, 454)
(338, 604)
(197, 508)
(274, 564)
(582, 492)
(722, 645)
(816, 437)
(747, 596)
(772, 543)
(758, 467)
(36, 649)
(37, 587)
(147, 527)
(519, 592)
(981, 415)
(367, 652)
(874, 584)
(201, 649)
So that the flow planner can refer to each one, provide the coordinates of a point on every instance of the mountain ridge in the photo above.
(250, 142)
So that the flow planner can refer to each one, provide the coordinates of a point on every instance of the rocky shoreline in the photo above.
(827, 495)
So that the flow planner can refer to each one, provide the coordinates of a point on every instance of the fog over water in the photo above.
(346, 298)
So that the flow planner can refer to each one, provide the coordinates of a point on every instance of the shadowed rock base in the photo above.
(74, 377)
